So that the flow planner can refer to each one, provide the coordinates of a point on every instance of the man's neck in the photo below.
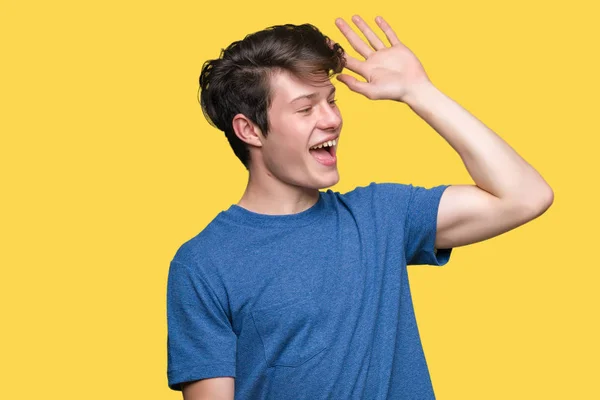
(273, 197)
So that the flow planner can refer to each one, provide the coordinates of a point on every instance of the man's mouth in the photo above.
(325, 153)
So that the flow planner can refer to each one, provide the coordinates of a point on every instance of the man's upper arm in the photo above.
(209, 389)
(468, 214)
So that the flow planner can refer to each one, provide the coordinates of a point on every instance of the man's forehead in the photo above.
(291, 89)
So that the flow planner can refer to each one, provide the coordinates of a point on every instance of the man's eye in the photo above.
(306, 110)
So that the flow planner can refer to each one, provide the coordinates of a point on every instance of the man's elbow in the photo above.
(539, 205)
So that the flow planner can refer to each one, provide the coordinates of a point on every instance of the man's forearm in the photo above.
(492, 163)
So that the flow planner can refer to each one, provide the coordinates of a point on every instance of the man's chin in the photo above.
(327, 183)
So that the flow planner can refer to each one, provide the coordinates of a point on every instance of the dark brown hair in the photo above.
(239, 80)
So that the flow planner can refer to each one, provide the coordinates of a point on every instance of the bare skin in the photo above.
(221, 388)
(284, 178)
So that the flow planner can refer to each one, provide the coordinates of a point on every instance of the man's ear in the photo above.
(247, 130)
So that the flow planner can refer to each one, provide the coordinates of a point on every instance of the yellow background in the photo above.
(108, 166)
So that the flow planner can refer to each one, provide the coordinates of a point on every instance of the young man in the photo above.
(297, 293)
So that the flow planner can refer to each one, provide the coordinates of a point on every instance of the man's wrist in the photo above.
(420, 94)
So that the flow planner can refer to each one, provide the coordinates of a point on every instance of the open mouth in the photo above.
(325, 153)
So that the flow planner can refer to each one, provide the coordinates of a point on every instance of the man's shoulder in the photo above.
(200, 247)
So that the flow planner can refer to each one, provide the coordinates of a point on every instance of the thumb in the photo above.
(355, 85)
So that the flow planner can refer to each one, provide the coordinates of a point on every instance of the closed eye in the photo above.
(306, 110)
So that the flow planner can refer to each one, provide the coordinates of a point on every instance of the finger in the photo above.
(355, 85)
(389, 32)
(351, 63)
(355, 41)
(355, 65)
(330, 43)
(373, 39)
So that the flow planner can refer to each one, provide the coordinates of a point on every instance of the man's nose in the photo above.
(330, 117)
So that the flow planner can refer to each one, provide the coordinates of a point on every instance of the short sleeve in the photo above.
(201, 342)
(421, 227)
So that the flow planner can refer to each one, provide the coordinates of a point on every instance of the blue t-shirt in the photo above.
(313, 305)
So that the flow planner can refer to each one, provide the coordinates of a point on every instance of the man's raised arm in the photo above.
(508, 191)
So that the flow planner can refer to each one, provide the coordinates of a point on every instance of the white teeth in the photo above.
(325, 144)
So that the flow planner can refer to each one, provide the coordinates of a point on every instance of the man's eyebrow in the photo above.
(312, 95)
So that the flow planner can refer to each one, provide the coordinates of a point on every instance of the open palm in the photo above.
(390, 72)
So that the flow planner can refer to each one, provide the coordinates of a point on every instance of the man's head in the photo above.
(254, 93)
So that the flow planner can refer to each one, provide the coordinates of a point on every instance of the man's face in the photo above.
(302, 115)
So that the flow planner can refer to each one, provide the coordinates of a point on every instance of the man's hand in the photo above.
(392, 73)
